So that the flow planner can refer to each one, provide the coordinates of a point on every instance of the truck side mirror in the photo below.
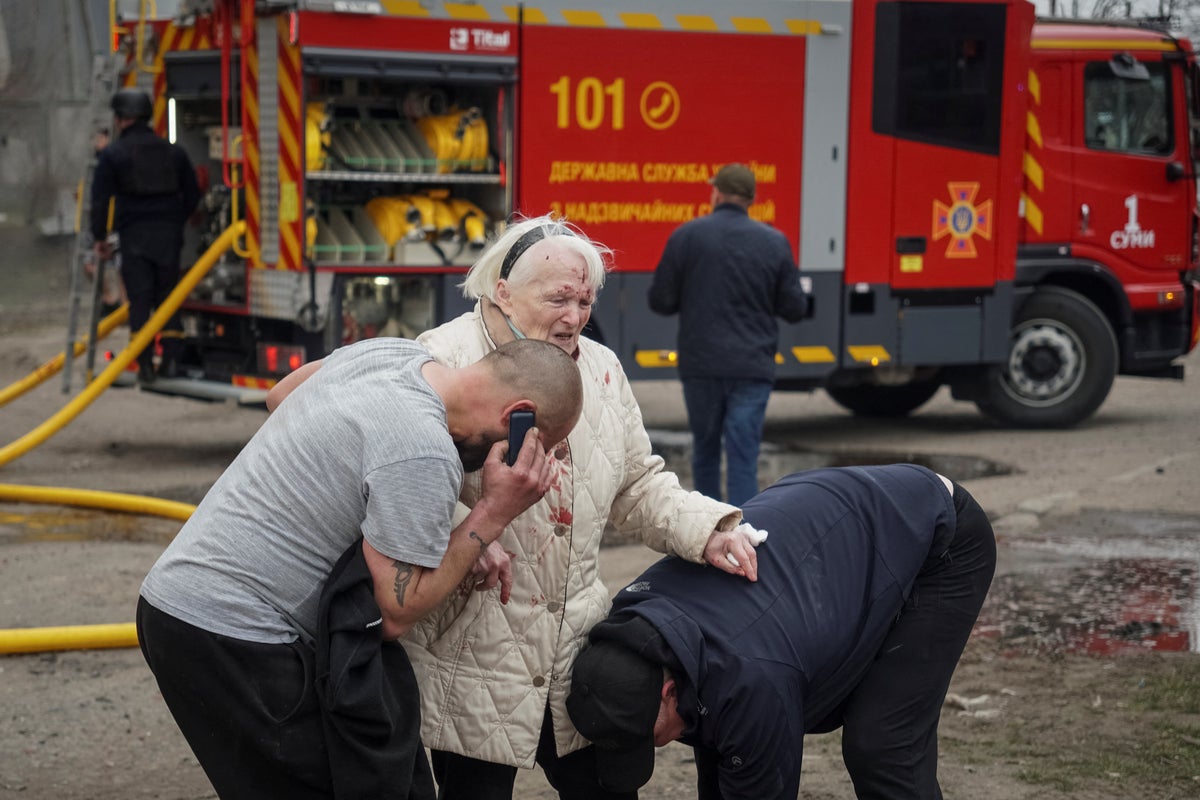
(1175, 171)
(1128, 68)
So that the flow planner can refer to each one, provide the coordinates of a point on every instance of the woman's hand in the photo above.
(733, 551)
(494, 566)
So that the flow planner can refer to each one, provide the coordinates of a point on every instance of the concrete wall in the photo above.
(43, 101)
(47, 49)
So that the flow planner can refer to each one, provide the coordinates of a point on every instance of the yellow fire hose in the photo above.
(51, 367)
(82, 637)
(90, 498)
(139, 343)
(75, 637)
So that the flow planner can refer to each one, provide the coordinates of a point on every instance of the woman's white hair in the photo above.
(484, 275)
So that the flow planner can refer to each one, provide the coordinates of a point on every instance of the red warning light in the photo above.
(271, 357)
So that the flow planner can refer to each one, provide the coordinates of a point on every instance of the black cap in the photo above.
(614, 702)
(132, 104)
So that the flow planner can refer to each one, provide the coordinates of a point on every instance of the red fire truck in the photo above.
(976, 201)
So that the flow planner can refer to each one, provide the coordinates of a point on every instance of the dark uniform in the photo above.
(156, 191)
(868, 587)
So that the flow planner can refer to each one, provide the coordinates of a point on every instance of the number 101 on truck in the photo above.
(978, 200)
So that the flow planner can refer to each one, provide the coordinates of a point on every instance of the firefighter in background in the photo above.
(154, 186)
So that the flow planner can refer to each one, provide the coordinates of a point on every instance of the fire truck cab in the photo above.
(1106, 267)
(976, 201)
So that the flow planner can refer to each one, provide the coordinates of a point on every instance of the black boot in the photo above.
(146, 367)
(169, 365)
(169, 368)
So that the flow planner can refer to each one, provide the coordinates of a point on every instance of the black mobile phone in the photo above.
(519, 423)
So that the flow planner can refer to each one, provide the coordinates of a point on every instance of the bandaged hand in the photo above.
(733, 551)
(755, 536)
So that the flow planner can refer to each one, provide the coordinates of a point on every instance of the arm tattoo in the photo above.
(404, 576)
(482, 544)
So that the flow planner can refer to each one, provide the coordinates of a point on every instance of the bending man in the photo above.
(248, 620)
(868, 587)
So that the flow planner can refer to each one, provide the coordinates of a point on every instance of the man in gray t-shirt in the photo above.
(369, 443)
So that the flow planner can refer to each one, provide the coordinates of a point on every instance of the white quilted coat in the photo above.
(487, 671)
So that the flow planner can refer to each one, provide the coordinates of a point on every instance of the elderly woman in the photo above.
(494, 665)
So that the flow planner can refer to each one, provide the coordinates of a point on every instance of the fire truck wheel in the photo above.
(870, 400)
(1061, 363)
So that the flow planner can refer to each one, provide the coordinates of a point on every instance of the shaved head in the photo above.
(530, 369)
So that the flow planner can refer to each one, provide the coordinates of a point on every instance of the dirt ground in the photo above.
(1029, 716)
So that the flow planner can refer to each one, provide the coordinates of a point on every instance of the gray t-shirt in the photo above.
(360, 448)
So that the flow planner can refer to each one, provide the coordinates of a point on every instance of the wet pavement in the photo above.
(24, 524)
(1098, 582)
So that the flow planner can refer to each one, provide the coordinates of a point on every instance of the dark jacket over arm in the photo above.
(369, 698)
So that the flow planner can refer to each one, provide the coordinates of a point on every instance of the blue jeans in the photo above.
(733, 409)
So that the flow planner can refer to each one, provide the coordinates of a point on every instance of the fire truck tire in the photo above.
(1062, 361)
(871, 400)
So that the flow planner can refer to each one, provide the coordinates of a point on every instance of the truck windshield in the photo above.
(1127, 115)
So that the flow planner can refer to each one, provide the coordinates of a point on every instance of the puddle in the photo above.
(776, 460)
(1129, 586)
(83, 525)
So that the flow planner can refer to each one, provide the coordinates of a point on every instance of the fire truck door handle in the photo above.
(1085, 218)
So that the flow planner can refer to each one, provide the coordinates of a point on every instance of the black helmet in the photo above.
(132, 104)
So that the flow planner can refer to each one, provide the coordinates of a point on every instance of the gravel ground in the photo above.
(1087, 518)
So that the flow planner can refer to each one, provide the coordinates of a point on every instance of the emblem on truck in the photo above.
(479, 39)
(962, 219)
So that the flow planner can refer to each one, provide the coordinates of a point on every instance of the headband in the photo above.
(527, 240)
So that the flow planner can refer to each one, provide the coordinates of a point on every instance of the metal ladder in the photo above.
(105, 78)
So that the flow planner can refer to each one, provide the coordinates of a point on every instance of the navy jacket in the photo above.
(764, 663)
(370, 702)
(152, 180)
(728, 277)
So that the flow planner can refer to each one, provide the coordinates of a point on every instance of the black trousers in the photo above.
(150, 271)
(890, 720)
(249, 711)
(573, 776)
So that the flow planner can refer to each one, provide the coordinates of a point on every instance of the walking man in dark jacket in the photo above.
(155, 189)
(728, 277)
(868, 587)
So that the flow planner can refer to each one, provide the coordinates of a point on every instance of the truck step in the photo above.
(209, 391)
